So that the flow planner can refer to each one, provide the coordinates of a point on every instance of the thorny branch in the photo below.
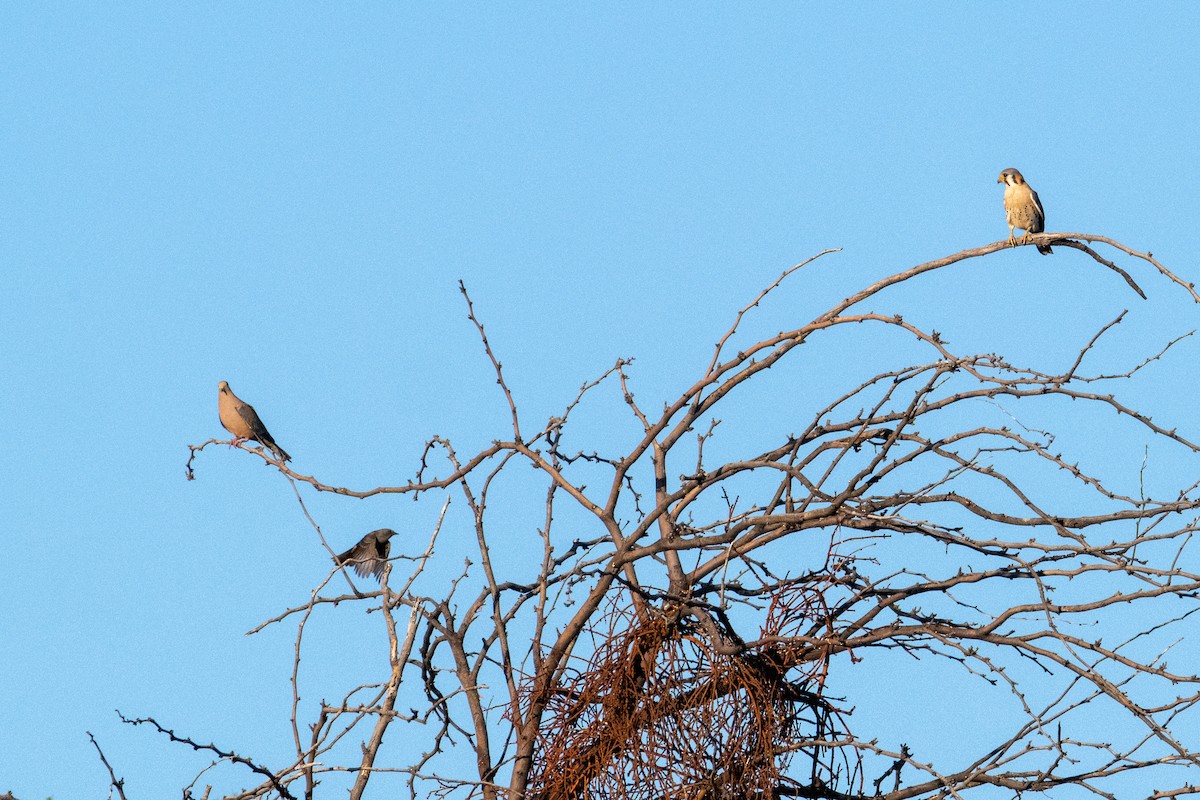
(117, 783)
(623, 630)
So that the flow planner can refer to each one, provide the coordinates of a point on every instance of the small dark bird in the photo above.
(369, 556)
(239, 418)
(1023, 209)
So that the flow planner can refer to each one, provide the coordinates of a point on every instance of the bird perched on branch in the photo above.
(239, 418)
(369, 556)
(1023, 208)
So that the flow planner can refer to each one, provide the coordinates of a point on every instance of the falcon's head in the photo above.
(1011, 177)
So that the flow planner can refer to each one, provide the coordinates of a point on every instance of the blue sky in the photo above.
(285, 197)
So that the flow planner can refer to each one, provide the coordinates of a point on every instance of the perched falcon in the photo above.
(239, 418)
(1023, 208)
(369, 556)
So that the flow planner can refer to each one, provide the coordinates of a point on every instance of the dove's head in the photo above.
(223, 386)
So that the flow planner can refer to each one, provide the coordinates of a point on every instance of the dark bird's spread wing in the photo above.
(369, 556)
(364, 564)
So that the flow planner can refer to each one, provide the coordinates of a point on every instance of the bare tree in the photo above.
(694, 623)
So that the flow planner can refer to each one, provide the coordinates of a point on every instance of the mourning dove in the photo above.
(369, 556)
(240, 419)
